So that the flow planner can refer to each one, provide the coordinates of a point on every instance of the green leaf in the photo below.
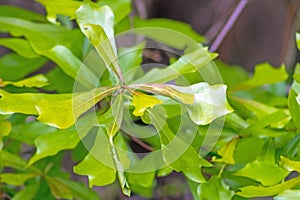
(63, 7)
(130, 60)
(55, 42)
(288, 194)
(58, 189)
(15, 179)
(5, 128)
(227, 152)
(258, 191)
(59, 110)
(117, 110)
(119, 165)
(143, 101)
(98, 164)
(267, 174)
(264, 74)
(158, 32)
(20, 46)
(142, 183)
(166, 90)
(121, 8)
(216, 189)
(10, 160)
(176, 152)
(52, 143)
(28, 193)
(38, 81)
(17, 12)
(243, 154)
(189, 63)
(251, 108)
(28, 132)
(294, 108)
(210, 102)
(289, 165)
(66, 189)
(97, 24)
(14, 67)
(55, 77)
(70, 64)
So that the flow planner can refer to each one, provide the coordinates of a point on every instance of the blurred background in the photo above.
(243, 32)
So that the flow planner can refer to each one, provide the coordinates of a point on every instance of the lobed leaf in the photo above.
(38, 81)
(266, 173)
(259, 191)
(216, 189)
(98, 164)
(264, 74)
(142, 102)
(59, 110)
(227, 152)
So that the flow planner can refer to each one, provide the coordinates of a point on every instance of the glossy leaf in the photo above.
(189, 63)
(52, 143)
(20, 46)
(97, 24)
(210, 102)
(259, 78)
(28, 132)
(176, 152)
(70, 64)
(121, 8)
(267, 174)
(215, 188)
(143, 101)
(289, 165)
(227, 152)
(59, 110)
(38, 81)
(98, 164)
(63, 7)
(57, 46)
(242, 153)
(288, 194)
(259, 191)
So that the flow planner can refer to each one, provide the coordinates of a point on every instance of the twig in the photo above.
(228, 25)
(139, 142)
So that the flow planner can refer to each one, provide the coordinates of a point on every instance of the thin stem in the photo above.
(138, 141)
(228, 25)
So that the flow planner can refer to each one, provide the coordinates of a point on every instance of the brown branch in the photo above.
(139, 141)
